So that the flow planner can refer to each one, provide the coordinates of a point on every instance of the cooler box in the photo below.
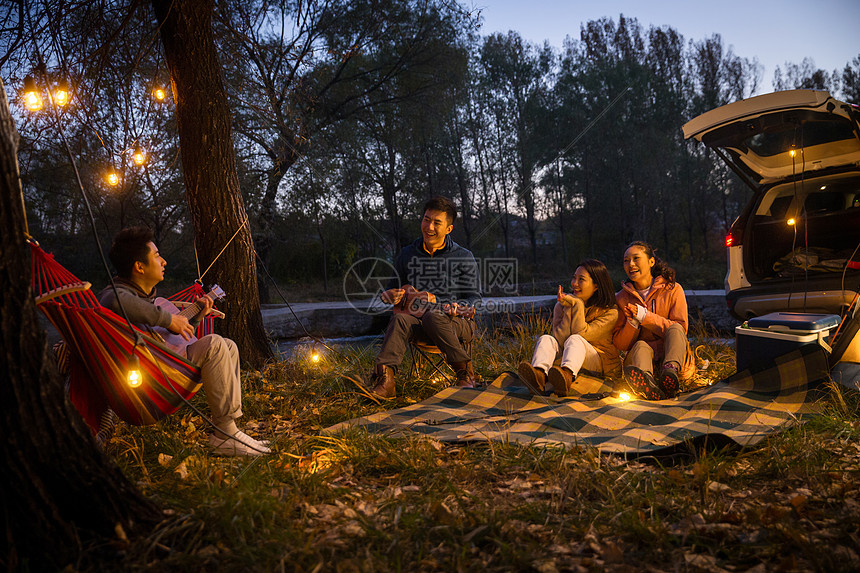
(763, 338)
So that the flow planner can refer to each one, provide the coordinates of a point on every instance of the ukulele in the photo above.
(175, 341)
(417, 302)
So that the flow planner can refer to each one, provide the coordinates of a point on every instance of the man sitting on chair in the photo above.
(139, 268)
(436, 264)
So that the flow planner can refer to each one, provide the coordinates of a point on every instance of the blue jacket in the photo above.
(450, 273)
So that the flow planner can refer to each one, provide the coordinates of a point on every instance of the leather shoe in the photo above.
(533, 378)
(466, 377)
(383, 381)
(561, 379)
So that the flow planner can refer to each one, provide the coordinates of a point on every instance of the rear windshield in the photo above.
(782, 138)
(776, 133)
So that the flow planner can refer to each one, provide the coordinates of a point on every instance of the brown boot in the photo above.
(383, 381)
(466, 377)
(561, 378)
(533, 378)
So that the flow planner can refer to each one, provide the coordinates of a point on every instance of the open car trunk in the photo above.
(799, 151)
(804, 229)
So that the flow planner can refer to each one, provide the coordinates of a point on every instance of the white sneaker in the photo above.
(240, 444)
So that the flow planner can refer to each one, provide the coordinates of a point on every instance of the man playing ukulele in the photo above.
(433, 268)
(139, 268)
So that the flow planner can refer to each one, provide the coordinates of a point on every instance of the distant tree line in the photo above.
(349, 114)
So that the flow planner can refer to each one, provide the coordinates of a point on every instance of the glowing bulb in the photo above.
(315, 357)
(791, 222)
(61, 97)
(625, 397)
(158, 94)
(134, 377)
(32, 99)
(112, 178)
(792, 152)
(138, 155)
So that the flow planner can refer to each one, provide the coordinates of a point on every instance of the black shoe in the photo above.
(669, 382)
(642, 384)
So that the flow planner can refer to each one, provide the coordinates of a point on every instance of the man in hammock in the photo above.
(140, 268)
(432, 264)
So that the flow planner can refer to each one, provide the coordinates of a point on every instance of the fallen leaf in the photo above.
(164, 460)
(797, 501)
(716, 486)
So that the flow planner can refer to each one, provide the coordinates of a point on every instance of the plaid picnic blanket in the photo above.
(744, 408)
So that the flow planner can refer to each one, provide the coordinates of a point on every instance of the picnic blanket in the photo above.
(744, 408)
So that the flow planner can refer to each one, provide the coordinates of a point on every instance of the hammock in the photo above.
(99, 343)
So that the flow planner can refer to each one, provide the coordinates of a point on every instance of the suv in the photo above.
(795, 245)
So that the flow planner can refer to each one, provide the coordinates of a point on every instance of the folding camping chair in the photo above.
(421, 349)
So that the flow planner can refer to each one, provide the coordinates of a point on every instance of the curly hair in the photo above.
(660, 266)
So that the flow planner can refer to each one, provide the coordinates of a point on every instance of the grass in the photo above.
(364, 502)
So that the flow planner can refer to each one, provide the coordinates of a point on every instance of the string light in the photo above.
(138, 155)
(32, 99)
(791, 222)
(159, 94)
(112, 178)
(62, 96)
(134, 377)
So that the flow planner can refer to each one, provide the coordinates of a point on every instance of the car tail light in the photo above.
(733, 239)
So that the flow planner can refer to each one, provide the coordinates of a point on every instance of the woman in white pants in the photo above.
(582, 325)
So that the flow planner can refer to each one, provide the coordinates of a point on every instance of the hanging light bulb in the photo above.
(32, 99)
(134, 377)
(112, 178)
(159, 94)
(138, 155)
(61, 95)
(791, 222)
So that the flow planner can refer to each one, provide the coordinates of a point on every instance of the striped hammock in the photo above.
(99, 343)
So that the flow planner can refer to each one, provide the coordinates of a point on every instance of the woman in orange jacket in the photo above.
(652, 326)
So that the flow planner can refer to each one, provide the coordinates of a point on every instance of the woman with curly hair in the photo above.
(652, 326)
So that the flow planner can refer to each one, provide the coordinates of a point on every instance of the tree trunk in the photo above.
(58, 492)
(283, 157)
(215, 201)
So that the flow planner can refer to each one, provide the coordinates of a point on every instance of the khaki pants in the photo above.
(218, 359)
(675, 344)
